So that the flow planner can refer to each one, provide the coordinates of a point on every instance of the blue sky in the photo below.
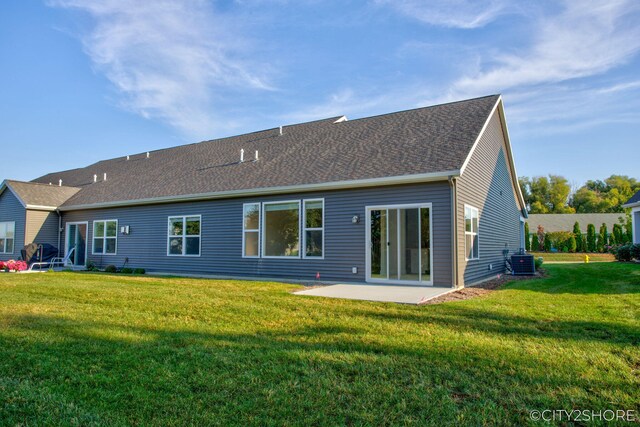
(86, 80)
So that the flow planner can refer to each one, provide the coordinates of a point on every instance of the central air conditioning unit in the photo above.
(523, 265)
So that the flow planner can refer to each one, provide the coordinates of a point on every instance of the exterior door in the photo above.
(76, 237)
(399, 244)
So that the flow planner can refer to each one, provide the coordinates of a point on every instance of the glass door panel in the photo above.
(425, 244)
(379, 244)
(409, 253)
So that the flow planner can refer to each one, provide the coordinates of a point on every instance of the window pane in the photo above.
(98, 246)
(425, 245)
(467, 224)
(9, 246)
(10, 230)
(282, 234)
(110, 246)
(313, 214)
(112, 229)
(469, 245)
(252, 217)
(3, 230)
(2, 246)
(314, 243)
(175, 246)
(251, 243)
(475, 223)
(193, 246)
(175, 227)
(98, 229)
(193, 226)
(475, 246)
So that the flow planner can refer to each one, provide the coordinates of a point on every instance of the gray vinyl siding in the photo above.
(12, 210)
(486, 184)
(636, 226)
(221, 229)
(41, 227)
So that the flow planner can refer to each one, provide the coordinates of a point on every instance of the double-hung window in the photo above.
(471, 232)
(183, 237)
(281, 229)
(7, 234)
(313, 228)
(105, 237)
(251, 230)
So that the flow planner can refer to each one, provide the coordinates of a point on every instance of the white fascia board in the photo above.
(632, 205)
(338, 185)
(512, 166)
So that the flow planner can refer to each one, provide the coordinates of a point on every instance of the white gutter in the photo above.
(337, 185)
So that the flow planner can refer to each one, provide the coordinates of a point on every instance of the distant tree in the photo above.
(591, 238)
(541, 235)
(604, 196)
(527, 237)
(547, 242)
(572, 244)
(559, 191)
(578, 235)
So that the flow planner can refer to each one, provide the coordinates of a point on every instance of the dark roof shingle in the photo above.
(420, 141)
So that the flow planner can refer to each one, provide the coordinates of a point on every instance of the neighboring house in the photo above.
(565, 222)
(634, 204)
(420, 197)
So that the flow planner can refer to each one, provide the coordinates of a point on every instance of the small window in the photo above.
(313, 228)
(471, 232)
(281, 231)
(7, 235)
(251, 230)
(184, 236)
(105, 237)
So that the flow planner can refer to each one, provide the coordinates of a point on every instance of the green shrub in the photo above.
(623, 253)
(584, 243)
(139, 271)
(603, 238)
(565, 249)
(527, 237)
(126, 270)
(538, 262)
(591, 238)
(559, 239)
(577, 233)
(573, 245)
(91, 266)
(635, 251)
(110, 269)
(547, 243)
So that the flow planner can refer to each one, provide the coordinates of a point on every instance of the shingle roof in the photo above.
(420, 141)
(564, 222)
(634, 199)
(34, 194)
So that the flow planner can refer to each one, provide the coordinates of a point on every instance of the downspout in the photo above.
(59, 229)
(454, 231)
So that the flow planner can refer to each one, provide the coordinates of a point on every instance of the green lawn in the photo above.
(93, 349)
(569, 257)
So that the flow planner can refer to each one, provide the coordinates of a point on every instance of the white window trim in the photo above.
(104, 238)
(184, 236)
(9, 238)
(305, 229)
(263, 232)
(472, 232)
(259, 230)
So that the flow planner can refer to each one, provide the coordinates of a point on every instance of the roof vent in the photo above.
(104, 176)
(147, 154)
(60, 183)
(280, 130)
(127, 157)
(95, 178)
(256, 158)
(49, 183)
(242, 155)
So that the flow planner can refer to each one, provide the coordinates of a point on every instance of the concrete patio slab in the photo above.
(380, 293)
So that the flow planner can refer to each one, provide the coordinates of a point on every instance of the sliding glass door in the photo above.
(76, 240)
(399, 244)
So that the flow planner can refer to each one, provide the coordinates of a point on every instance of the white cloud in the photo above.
(169, 60)
(452, 13)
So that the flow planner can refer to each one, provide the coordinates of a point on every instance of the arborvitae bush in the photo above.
(547, 243)
(527, 237)
(572, 244)
(578, 235)
(603, 237)
(591, 238)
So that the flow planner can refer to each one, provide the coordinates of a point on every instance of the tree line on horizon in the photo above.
(553, 194)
